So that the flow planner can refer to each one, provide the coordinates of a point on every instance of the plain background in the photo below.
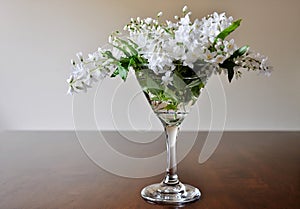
(38, 38)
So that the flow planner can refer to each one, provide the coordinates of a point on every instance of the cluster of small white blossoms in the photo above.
(253, 61)
(164, 45)
(97, 66)
(186, 41)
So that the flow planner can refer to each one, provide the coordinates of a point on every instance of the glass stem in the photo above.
(171, 177)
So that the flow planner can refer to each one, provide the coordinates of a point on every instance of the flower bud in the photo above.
(80, 57)
(110, 39)
(184, 9)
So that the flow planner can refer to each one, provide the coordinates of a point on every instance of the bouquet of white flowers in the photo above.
(167, 49)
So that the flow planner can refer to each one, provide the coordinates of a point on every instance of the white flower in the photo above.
(167, 79)
(141, 40)
(230, 47)
(266, 72)
(71, 90)
(78, 69)
(209, 55)
(103, 73)
(84, 86)
(148, 20)
(92, 57)
(185, 20)
(219, 59)
(192, 56)
(90, 80)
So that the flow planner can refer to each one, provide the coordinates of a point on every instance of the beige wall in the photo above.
(38, 38)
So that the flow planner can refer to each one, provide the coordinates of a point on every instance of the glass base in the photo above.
(170, 194)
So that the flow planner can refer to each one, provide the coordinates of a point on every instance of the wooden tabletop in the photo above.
(50, 170)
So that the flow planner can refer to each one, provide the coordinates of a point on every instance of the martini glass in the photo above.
(171, 103)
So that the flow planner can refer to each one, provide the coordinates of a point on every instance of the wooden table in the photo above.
(49, 170)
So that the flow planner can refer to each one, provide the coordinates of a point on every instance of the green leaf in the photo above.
(194, 83)
(109, 55)
(151, 83)
(229, 65)
(124, 61)
(196, 89)
(123, 50)
(154, 91)
(230, 74)
(115, 73)
(170, 95)
(129, 46)
(178, 82)
(133, 43)
(141, 60)
(239, 52)
(171, 107)
(222, 35)
(229, 62)
(122, 72)
(132, 63)
(156, 98)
